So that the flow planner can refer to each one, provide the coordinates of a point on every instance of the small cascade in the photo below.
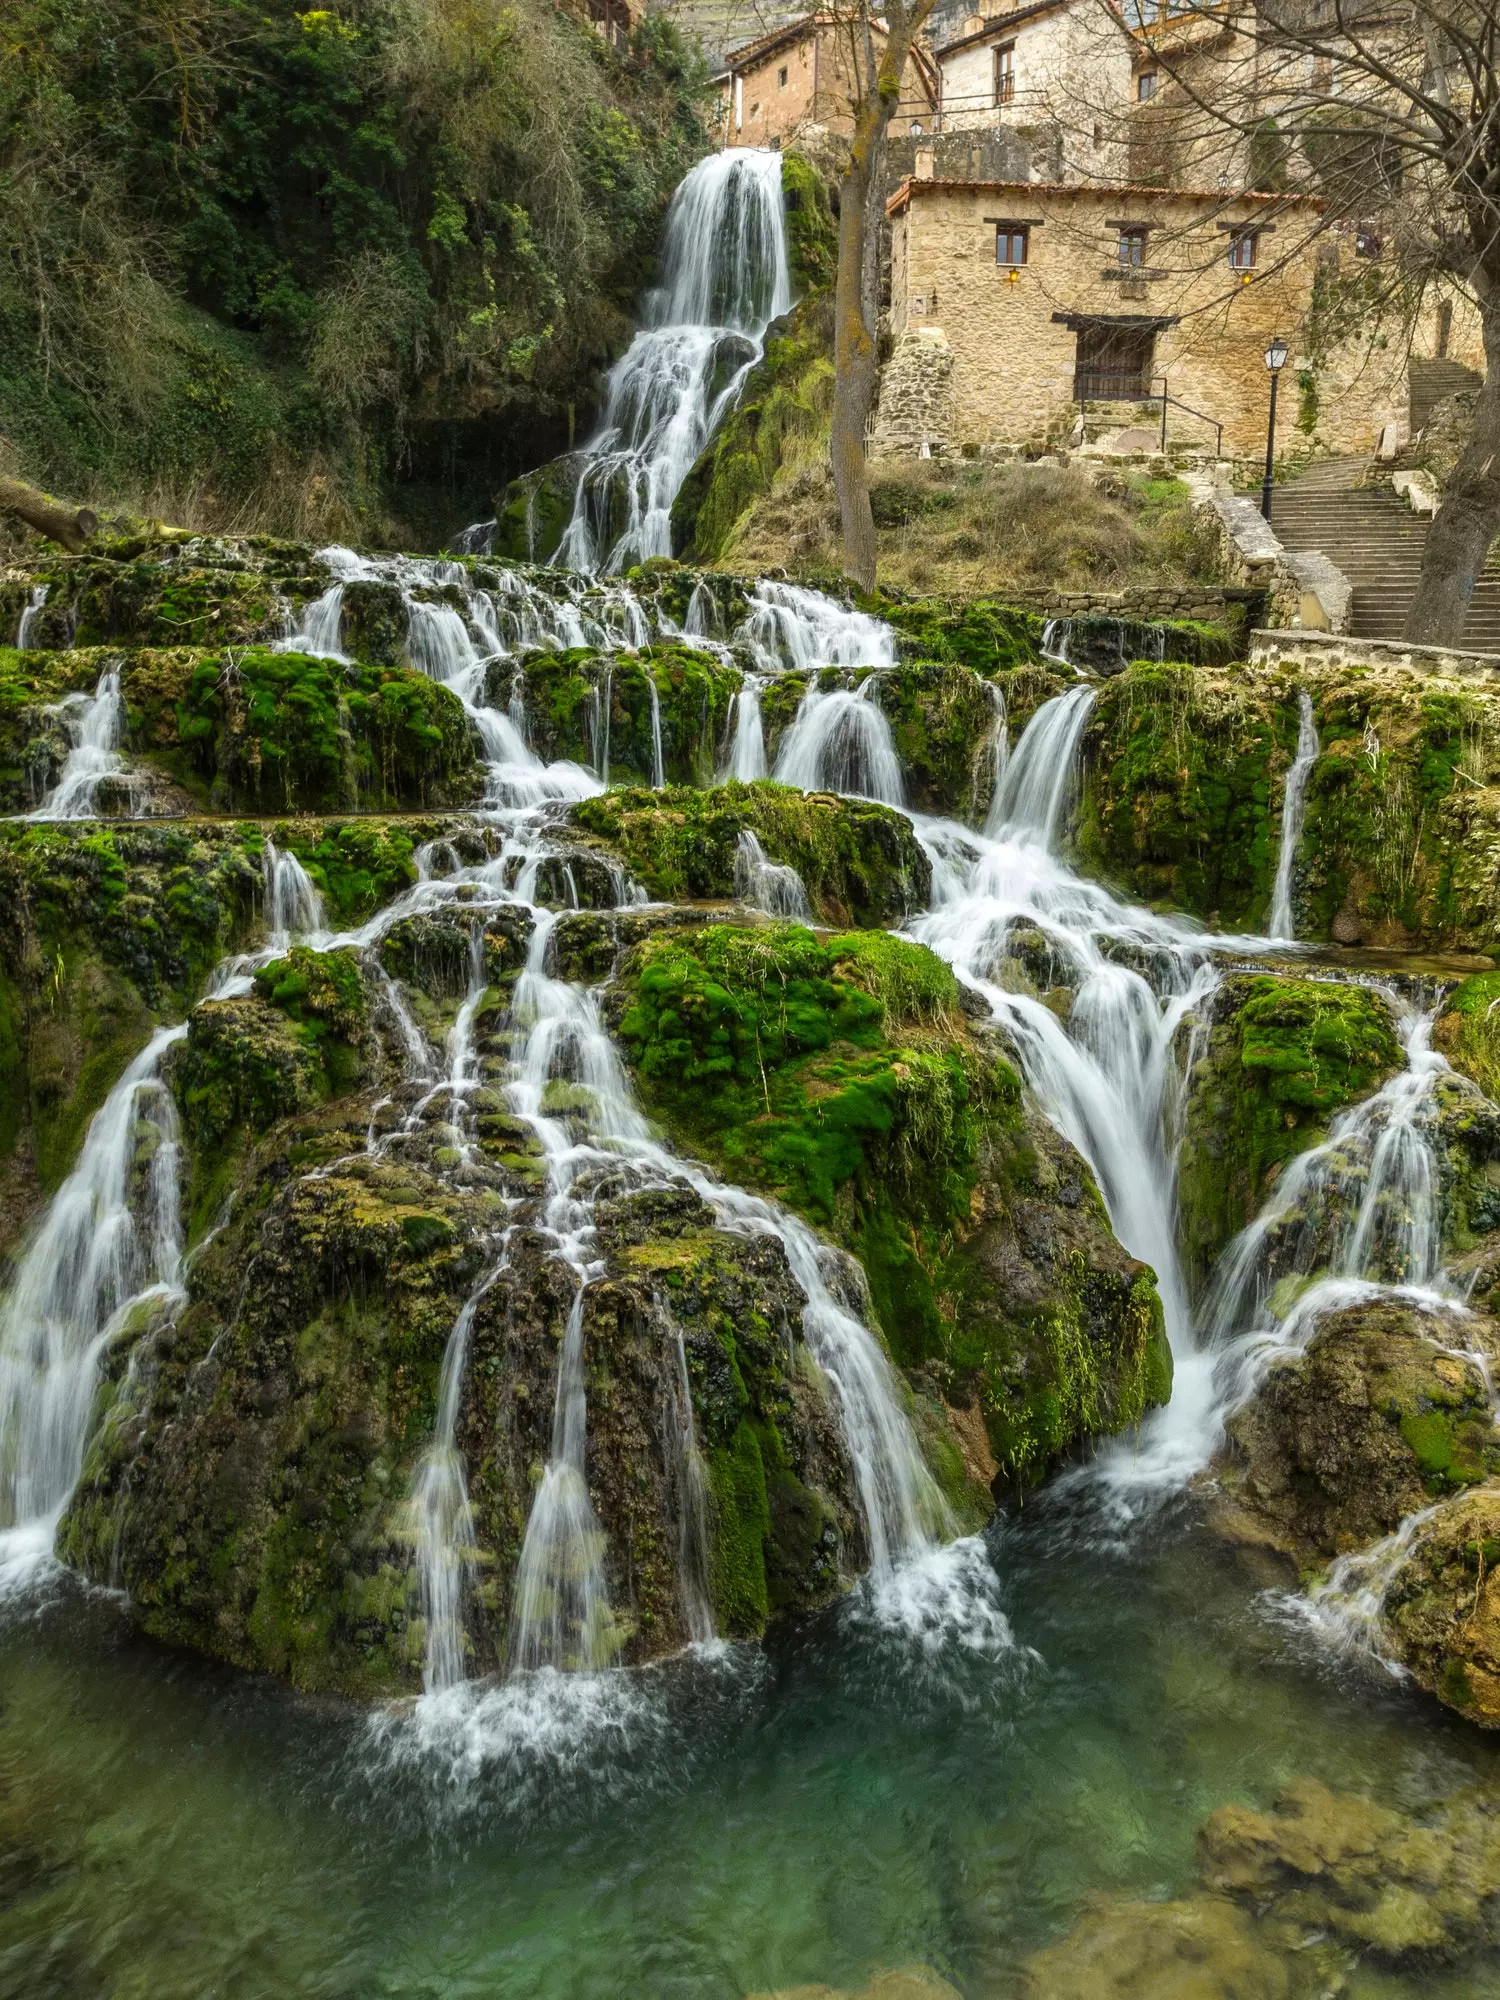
(94, 723)
(1293, 806)
(109, 1243)
(790, 629)
(463, 1069)
(840, 741)
(767, 885)
(294, 908)
(1000, 760)
(1056, 633)
(1040, 777)
(1344, 1608)
(747, 744)
(658, 762)
(31, 615)
(725, 278)
(695, 1507)
(601, 701)
(444, 1522)
(318, 628)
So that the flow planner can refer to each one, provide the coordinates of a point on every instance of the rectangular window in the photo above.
(1145, 86)
(1011, 240)
(1132, 246)
(1005, 73)
(781, 78)
(1366, 241)
(1242, 252)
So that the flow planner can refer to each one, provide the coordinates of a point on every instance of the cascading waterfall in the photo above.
(294, 907)
(768, 885)
(658, 762)
(1039, 778)
(31, 615)
(109, 1243)
(840, 741)
(444, 1522)
(747, 745)
(695, 1510)
(1000, 760)
(94, 723)
(1293, 806)
(726, 277)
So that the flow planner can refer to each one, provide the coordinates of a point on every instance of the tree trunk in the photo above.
(71, 526)
(854, 371)
(1468, 520)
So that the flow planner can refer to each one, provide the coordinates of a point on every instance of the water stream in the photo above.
(724, 279)
(93, 723)
(1293, 805)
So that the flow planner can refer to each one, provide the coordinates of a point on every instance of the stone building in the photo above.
(1061, 67)
(1018, 307)
(799, 83)
(1051, 297)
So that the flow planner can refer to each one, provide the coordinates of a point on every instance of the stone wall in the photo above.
(1336, 652)
(1228, 605)
(1300, 588)
(1014, 353)
(916, 397)
(783, 87)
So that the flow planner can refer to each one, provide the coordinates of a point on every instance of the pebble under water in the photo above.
(735, 1821)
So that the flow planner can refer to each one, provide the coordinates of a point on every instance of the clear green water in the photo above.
(840, 1802)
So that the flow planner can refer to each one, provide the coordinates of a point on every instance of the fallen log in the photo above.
(71, 526)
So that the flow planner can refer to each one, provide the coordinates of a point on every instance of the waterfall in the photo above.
(839, 741)
(1000, 760)
(294, 909)
(747, 745)
(30, 615)
(111, 1239)
(1292, 808)
(767, 885)
(1039, 779)
(695, 1509)
(658, 765)
(1344, 1608)
(94, 723)
(444, 1523)
(318, 628)
(725, 278)
(789, 628)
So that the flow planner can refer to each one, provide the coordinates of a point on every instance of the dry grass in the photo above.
(956, 525)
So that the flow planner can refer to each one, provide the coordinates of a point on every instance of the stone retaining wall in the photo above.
(1209, 604)
(1334, 651)
(1302, 588)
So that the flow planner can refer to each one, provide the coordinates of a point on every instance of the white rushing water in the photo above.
(725, 277)
(768, 885)
(31, 616)
(109, 1244)
(94, 724)
(1293, 806)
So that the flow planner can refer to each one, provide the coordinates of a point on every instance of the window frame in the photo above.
(1005, 74)
(1010, 234)
(1244, 250)
(1145, 86)
(1133, 237)
(781, 76)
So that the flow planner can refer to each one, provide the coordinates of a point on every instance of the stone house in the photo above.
(1014, 304)
(799, 83)
(1059, 67)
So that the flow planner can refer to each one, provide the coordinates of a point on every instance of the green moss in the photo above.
(1178, 791)
(1283, 1056)
(811, 227)
(742, 1522)
(571, 696)
(1468, 1032)
(980, 633)
(783, 407)
(859, 862)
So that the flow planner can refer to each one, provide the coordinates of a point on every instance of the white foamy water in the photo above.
(725, 278)
(94, 724)
(1293, 807)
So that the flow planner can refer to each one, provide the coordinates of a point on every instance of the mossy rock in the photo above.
(595, 709)
(859, 862)
(1283, 1055)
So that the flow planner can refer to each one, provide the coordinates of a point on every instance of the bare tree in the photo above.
(879, 46)
(1390, 109)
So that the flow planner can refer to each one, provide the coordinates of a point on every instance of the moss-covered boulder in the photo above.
(1441, 1611)
(1282, 1055)
(1376, 1418)
(1468, 1030)
(596, 709)
(859, 862)
(532, 513)
(841, 1076)
(979, 633)
(1177, 799)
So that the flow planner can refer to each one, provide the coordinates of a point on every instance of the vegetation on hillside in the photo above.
(335, 271)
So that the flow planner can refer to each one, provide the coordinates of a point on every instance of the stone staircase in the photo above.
(1375, 539)
(1431, 382)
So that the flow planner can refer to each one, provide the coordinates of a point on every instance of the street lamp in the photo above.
(1276, 355)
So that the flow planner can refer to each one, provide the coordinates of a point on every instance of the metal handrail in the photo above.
(1187, 411)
